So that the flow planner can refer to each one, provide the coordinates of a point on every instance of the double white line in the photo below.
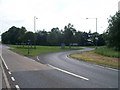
(5, 77)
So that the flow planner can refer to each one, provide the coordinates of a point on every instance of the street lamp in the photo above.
(96, 30)
(35, 31)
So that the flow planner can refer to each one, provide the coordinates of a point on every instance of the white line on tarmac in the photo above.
(107, 68)
(69, 72)
(38, 58)
(13, 79)
(33, 60)
(112, 69)
(4, 62)
(5, 78)
(29, 58)
(18, 88)
(9, 72)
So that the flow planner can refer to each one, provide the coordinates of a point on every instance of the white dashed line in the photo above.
(13, 79)
(9, 72)
(18, 88)
(78, 76)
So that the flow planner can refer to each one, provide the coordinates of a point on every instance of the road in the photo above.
(99, 77)
(56, 70)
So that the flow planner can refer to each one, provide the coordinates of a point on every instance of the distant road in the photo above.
(57, 71)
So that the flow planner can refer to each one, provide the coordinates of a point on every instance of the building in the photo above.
(118, 5)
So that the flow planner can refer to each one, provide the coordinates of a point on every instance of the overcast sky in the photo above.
(56, 13)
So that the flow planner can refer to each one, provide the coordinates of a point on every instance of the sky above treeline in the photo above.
(57, 13)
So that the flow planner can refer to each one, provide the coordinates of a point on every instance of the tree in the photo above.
(14, 35)
(5, 38)
(21, 34)
(85, 38)
(54, 36)
(29, 36)
(114, 31)
(10, 37)
(69, 31)
(101, 40)
(41, 37)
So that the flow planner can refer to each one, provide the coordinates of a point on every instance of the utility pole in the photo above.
(35, 31)
(96, 34)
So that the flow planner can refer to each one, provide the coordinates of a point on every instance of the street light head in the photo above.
(86, 18)
(35, 17)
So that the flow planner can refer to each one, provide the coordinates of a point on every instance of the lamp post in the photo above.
(96, 30)
(35, 31)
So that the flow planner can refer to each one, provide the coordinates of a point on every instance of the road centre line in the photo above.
(13, 79)
(4, 62)
(75, 75)
(9, 72)
(18, 88)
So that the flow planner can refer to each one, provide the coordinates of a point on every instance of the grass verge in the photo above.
(95, 58)
(110, 52)
(39, 49)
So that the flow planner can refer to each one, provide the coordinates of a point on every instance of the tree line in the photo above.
(68, 36)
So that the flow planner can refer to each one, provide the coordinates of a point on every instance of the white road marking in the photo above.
(13, 79)
(9, 72)
(68, 72)
(5, 78)
(38, 58)
(107, 68)
(4, 62)
(33, 60)
(29, 58)
(18, 88)
(112, 69)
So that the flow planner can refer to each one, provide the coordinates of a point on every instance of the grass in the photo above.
(108, 59)
(39, 50)
(110, 52)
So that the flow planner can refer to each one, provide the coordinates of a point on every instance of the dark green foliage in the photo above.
(54, 37)
(29, 36)
(113, 38)
(69, 32)
(13, 35)
(41, 38)
(68, 36)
